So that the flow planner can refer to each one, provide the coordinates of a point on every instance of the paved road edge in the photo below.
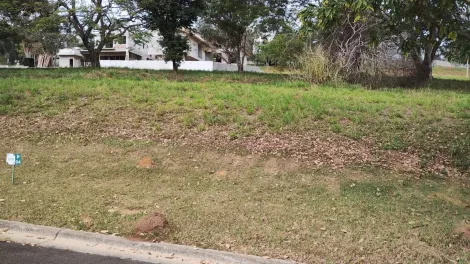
(113, 246)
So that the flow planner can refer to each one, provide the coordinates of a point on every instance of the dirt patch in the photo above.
(463, 230)
(145, 163)
(235, 161)
(87, 220)
(402, 161)
(221, 173)
(332, 185)
(152, 223)
(452, 200)
(311, 148)
(276, 165)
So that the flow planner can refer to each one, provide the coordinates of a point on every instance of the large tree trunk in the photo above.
(423, 66)
(95, 58)
(175, 66)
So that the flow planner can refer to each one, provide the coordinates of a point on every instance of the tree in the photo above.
(169, 17)
(418, 28)
(283, 50)
(236, 19)
(34, 24)
(459, 50)
(100, 22)
(219, 38)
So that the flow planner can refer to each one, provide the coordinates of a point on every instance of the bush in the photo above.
(315, 66)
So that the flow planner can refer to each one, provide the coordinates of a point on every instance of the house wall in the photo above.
(194, 50)
(151, 48)
(64, 61)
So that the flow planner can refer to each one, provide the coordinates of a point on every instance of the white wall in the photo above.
(443, 63)
(233, 67)
(185, 65)
(157, 65)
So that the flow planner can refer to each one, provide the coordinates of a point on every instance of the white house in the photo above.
(126, 53)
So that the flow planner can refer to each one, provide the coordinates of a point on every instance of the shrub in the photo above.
(315, 66)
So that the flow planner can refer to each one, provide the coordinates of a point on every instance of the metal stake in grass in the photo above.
(13, 174)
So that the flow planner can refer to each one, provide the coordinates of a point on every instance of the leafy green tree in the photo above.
(169, 17)
(235, 20)
(34, 24)
(283, 50)
(100, 22)
(417, 27)
(459, 50)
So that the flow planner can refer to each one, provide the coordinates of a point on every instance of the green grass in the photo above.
(424, 121)
(308, 196)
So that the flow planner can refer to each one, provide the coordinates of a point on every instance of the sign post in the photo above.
(13, 160)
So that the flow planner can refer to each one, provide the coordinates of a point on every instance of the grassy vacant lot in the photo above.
(251, 163)
(450, 73)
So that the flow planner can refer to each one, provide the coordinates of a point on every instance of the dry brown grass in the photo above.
(450, 73)
(258, 205)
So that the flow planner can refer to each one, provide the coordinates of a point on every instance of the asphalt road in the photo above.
(11, 253)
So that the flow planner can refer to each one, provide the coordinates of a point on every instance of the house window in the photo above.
(104, 57)
(199, 51)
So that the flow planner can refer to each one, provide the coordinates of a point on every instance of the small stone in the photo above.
(344, 231)
(142, 234)
(111, 211)
(41, 237)
(323, 228)
(266, 257)
(2, 200)
(228, 246)
(22, 201)
(104, 231)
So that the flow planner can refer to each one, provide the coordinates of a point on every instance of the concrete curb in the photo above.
(107, 245)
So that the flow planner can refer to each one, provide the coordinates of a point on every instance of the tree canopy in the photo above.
(169, 17)
(235, 20)
(35, 25)
(100, 22)
(418, 28)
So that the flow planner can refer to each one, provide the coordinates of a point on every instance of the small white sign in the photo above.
(11, 159)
